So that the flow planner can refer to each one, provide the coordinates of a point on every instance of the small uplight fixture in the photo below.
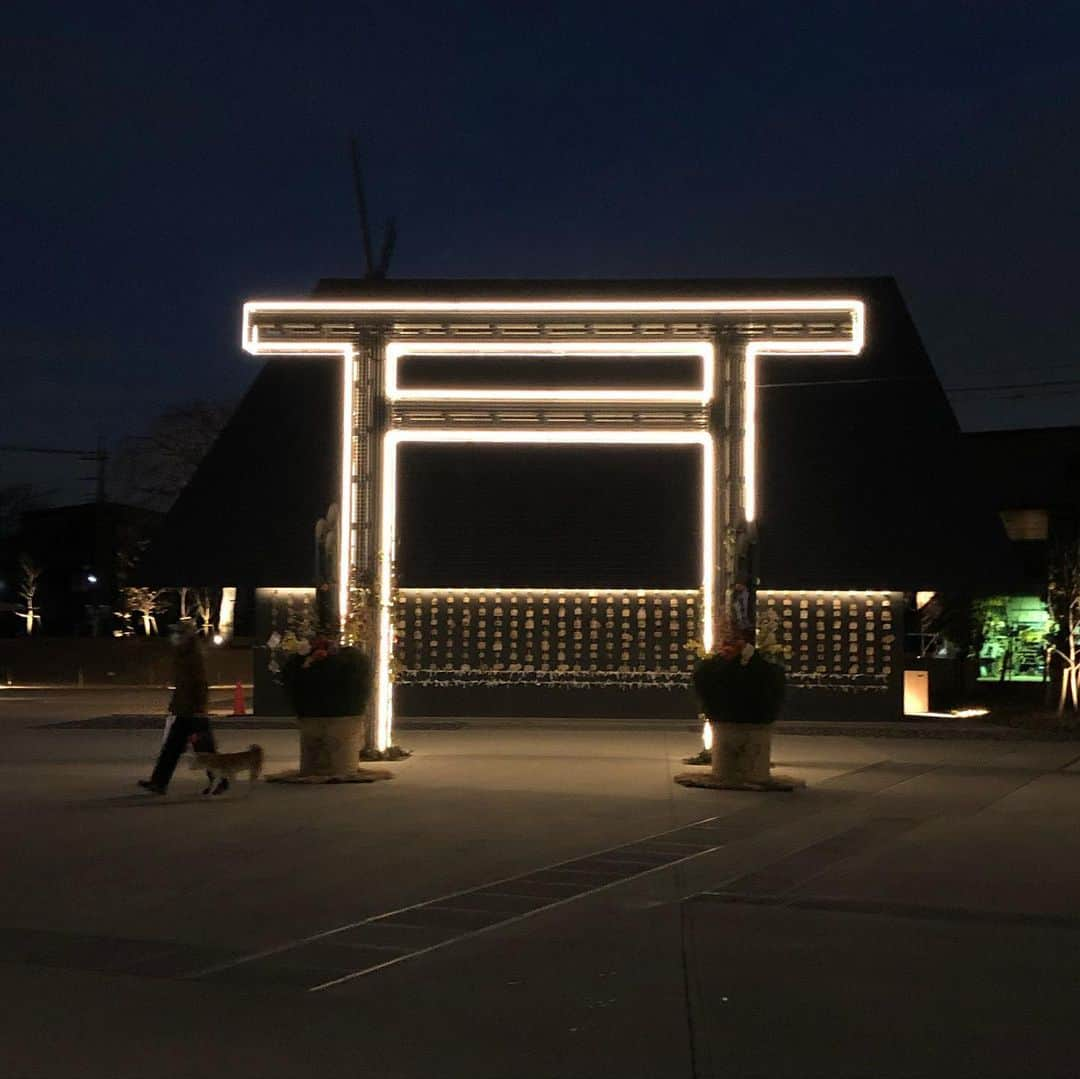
(91, 578)
(218, 639)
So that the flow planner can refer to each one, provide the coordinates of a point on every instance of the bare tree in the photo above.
(151, 469)
(126, 629)
(205, 606)
(1063, 596)
(146, 602)
(129, 548)
(29, 572)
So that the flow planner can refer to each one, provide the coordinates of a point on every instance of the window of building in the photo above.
(1015, 631)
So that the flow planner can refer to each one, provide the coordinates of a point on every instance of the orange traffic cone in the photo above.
(239, 708)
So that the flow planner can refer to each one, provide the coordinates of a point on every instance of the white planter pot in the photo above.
(330, 745)
(741, 752)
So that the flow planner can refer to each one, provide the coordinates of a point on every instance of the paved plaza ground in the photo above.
(535, 901)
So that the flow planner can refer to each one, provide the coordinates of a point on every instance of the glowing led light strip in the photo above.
(388, 516)
(825, 592)
(836, 347)
(490, 590)
(348, 433)
(348, 370)
(854, 309)
(750, 306)
(701, 349)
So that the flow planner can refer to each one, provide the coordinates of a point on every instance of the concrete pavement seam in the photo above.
(301, 941)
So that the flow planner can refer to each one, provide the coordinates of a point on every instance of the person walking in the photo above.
(189, 706)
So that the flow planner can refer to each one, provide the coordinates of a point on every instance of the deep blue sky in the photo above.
(160, 166)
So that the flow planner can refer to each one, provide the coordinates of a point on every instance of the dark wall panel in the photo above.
(549, 516)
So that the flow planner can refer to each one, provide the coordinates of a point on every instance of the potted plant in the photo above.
(741, 693)
(328, 686)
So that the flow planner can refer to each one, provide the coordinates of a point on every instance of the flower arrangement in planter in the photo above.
(736, 684)
(323, 678)
(741, 694)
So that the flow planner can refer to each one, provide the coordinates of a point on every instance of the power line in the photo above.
(93, 454)
(1021, 395)
(839, 382)
(1013, 385)
(98, 456)
(1050, 387)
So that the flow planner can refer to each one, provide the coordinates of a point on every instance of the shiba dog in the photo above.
(222, 767)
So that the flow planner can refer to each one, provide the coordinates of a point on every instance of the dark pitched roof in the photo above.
(248, 514)
(568, 288)
(862, 480)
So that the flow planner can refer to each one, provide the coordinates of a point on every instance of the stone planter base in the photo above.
(329, 751)
(741, 752)
(775, 782)
(740, 761)
(330, 745)
(360, 775)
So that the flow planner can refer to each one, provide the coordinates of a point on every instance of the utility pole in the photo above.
(103, 560)
(101, 457)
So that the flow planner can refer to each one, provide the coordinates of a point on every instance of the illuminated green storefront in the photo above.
(1015, 632)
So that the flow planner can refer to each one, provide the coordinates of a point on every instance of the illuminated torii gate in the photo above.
(377, 338)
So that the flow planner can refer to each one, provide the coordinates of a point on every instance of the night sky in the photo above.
(161, 166)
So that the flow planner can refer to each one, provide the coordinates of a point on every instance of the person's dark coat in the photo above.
(191, 696)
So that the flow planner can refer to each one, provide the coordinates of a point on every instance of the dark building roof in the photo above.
(861, 484)
(862, 478)
(570, 288)
(247, 516)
